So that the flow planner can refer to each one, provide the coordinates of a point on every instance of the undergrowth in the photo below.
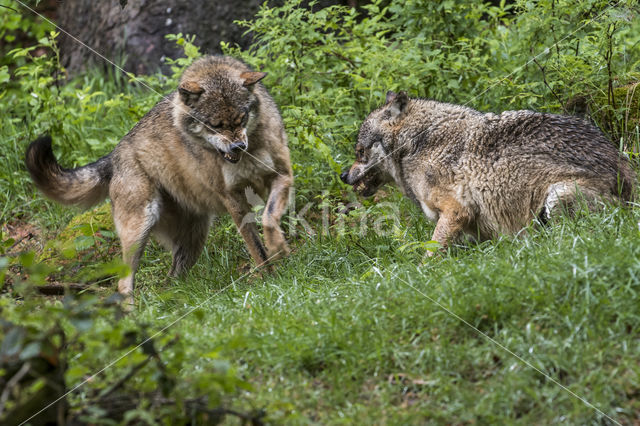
(356, 326)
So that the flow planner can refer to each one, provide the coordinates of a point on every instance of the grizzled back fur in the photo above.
(573, 144)
(559, 146)
(483, 175)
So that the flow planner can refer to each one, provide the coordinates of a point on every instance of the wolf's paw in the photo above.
(128, 304)
(277, 246)
(278, 251)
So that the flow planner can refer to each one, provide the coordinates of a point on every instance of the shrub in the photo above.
(330, 68)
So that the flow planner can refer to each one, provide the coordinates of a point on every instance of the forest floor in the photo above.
(540, 328)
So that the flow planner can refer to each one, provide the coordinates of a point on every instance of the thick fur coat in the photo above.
(486, 174)
(196, 154)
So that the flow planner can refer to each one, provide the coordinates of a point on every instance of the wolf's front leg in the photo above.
(276, 205)
(239, 209)
(451, 222)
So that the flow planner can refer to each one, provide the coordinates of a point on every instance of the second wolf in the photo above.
(198, 153)
(485, 174)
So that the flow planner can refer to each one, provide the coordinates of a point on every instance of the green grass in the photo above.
(356, 327)
(363, 329)
(340, 335)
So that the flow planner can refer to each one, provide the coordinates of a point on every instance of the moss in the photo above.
(621, 122)
(88, 223)
(628, 98)
(80, 251)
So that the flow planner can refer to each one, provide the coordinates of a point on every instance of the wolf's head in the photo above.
(376, 144)
(219, 104)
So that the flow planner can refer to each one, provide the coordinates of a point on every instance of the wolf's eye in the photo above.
(214, 125)
(245, 118)
(359, 153)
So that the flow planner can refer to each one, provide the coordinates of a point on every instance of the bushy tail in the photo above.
(84, 186)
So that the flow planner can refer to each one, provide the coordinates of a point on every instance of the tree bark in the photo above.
(133, 37)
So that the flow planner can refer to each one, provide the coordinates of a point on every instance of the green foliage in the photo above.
(328, 69)
(86, 117)
(566, 50)
(51, 347)
(18, 29)
(191, 52)
(339, 333)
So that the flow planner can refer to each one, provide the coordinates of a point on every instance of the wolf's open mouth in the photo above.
(366, 186)
(360, 186)
(232, 157)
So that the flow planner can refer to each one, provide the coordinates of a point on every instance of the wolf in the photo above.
(195, 155)
(483, 174)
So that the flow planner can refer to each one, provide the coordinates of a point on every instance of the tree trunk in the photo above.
(133, 37)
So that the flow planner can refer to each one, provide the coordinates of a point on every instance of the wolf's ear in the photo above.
(189, 91)
(252, 77)
(397, 102)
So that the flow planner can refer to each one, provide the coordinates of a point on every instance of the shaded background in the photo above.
(134, 36)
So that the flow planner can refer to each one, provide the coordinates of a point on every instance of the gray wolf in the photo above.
(482, 175)
(193, 156)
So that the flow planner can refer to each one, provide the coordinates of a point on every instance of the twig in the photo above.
(9, 254)
(59, 289)
(544, 79)
(608, 58)
(11, 383)
(344, 58)
(8, 7)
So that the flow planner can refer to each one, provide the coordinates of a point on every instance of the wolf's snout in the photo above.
(233, 151)
(344, 176)
(238, 146)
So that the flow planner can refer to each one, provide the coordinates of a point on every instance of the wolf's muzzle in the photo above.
(238, 146)
(234, 152)
(344, 176)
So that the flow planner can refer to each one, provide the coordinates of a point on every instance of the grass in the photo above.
(358, 328)
(361, 328)
(338, 335)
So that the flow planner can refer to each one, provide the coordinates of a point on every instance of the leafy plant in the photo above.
(53, 347)
(17, 30)
(572, 55)
(351, 337)
(328, 69)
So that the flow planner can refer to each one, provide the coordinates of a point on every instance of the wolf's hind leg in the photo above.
(188, 243)
(183, 232)
(133, 223)
(569, 197)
